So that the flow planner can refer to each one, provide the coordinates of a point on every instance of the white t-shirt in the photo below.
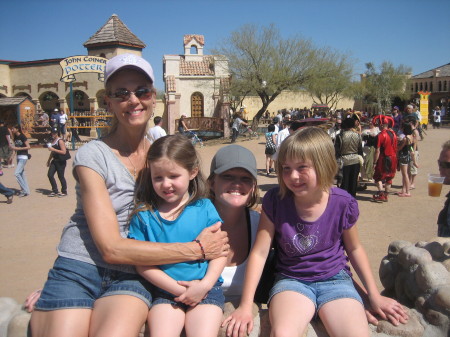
(156, 132)
(233, 277)
(63, 119)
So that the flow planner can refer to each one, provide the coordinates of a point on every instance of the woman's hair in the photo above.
(310, 143)
(348, 123)
(18, 128)
(114, 120)
(407, 129)
(179, 149)
(271, 128)
(252, 201)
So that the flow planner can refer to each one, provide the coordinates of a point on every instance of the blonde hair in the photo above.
(310, 143)
(179, 149)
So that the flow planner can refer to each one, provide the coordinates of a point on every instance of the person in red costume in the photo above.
(385, 160)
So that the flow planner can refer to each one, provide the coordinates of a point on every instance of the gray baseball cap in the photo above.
(233, 156)
(128, 60)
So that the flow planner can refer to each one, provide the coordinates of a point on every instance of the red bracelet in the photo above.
(201, 248)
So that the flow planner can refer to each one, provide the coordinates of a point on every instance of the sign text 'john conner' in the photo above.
(82, 64)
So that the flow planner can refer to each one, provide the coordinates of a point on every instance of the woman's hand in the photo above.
(239, 323)
(386, 308)
(214, 242)
(195, 292)
(31, 300)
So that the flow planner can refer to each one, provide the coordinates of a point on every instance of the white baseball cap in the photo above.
(128, 60)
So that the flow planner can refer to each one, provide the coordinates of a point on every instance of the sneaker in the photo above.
(9, 200)
(1, 173)
(271, 170)
(53, 194)
(62, 195)
(23, 194)
(380, 197)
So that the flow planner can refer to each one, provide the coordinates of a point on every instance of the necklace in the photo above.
(134, 167)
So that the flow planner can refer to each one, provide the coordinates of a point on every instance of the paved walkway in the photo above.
(31, 226)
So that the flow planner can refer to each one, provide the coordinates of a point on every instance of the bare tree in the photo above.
(263, 63)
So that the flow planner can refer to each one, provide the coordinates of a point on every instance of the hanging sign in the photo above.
(424, 105)
(82, 64)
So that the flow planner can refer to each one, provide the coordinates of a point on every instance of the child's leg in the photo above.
(203, 320)
(344, 317)
(290, 312)
(166, 320)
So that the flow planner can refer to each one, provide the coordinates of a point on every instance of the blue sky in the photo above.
(410, 32)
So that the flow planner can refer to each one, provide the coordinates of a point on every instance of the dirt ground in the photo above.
(31, 226)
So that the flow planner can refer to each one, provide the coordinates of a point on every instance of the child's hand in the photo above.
(388, 309)
(239, 323)
(195, 292)
(416, 165)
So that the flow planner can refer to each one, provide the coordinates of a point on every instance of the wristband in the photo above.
(201, 248)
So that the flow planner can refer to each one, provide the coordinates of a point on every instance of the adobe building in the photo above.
(196, 85)
(437, 82)
(40, 81)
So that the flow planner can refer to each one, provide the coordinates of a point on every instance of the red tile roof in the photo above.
(197, 68)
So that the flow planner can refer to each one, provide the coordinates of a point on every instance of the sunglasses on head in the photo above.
(444, 164)
(124, 94)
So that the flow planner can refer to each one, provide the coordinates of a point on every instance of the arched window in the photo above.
(197, 105)
(194, 50)
(103, 55)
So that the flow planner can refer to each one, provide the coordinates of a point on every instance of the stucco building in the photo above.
(196, 85)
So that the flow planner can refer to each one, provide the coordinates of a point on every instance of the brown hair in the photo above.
(179, 149)
(310, 143)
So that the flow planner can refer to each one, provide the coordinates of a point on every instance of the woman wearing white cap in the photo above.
(93, 289)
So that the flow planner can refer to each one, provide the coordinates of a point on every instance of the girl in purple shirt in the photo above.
(314, 229)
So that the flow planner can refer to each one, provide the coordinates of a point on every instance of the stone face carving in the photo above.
(418, 275)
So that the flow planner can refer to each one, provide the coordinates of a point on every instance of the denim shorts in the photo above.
(73, 284)
(215, 296)
(319, 292)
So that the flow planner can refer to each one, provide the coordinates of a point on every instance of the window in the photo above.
(445, 86)
(197, 105)
(194, 50)
(439, 86)
(421, 86)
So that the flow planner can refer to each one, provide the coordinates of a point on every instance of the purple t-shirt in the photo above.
(311, 251)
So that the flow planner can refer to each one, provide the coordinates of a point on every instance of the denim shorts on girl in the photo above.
(73, 284)
(215, 296)
(319, 292)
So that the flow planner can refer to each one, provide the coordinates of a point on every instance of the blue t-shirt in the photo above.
(311, 251)
(150, 226)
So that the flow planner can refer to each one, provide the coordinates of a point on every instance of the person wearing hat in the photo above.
(397, 119)
(93, 288)
(237, 122)
(56, 163)
(54, 118)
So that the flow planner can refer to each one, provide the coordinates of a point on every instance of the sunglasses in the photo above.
(123, 95)
(444, 164)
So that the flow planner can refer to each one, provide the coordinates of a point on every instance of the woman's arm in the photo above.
(274, 138)
(240, 322)
(104, 228)
(26, 147)
(385, 307)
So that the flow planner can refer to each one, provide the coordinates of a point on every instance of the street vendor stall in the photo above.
(18, 110)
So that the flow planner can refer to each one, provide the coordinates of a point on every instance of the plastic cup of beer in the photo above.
(435, 182)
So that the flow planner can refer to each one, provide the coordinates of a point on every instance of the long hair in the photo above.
(179, 149)
(310, 143)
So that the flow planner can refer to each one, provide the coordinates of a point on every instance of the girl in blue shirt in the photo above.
(172, 207)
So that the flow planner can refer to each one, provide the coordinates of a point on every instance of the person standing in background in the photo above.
(5, 151)
(21, 145)
(54, 119)
(62, 124)
(157, 131)
(56, 163)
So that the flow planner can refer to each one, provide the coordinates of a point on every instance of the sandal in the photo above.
(404, 194)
